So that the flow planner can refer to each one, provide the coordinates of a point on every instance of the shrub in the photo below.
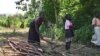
(24, 23)
(56, 33)
(3, 21)
(83, 35)
(13, 22)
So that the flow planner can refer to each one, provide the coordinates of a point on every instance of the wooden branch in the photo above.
(12, 45)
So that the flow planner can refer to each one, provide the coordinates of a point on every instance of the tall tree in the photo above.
(51, 9)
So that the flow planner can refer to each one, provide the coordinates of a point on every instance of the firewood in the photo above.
(13, 46)
(24, 48)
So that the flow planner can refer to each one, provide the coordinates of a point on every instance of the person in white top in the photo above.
(96, 24)
(68, 31)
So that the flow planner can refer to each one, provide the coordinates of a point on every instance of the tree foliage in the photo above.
(51, 9)
(81, 11)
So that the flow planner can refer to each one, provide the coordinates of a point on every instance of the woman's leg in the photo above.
(69, 37)
(68, 45)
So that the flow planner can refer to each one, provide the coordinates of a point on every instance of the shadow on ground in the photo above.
(16, 34)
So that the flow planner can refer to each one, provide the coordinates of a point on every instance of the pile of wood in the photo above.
(19, 48)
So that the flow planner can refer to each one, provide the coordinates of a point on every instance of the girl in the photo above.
(68, 31)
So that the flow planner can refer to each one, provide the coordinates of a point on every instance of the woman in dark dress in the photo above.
(68, 31)
(34, 35)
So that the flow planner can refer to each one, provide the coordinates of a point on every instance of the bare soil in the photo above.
(57, 48)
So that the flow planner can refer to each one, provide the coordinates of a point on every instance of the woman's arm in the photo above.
(37, 30)
(94, 22)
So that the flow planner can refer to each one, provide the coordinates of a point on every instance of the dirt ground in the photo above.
(55, 49)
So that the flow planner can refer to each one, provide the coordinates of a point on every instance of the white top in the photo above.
(68, 24)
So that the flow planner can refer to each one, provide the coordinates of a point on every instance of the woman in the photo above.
(34, 35)
(68, 31)
(96, 24)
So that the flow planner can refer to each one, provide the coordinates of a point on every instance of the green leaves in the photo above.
(84, 34)
(51, 8)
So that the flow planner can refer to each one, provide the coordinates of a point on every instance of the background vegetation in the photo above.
(82, 12)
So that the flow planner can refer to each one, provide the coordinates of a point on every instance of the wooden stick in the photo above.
(12, 46)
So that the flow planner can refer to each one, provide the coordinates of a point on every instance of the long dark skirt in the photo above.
(69, 33)
(69, 36)
(33, 36)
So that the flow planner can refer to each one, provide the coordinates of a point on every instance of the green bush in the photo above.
(24, 23)
(58, 32)
(3, 21)
(13, 22)
(83, 35)
(17, 22)
(54, 32)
